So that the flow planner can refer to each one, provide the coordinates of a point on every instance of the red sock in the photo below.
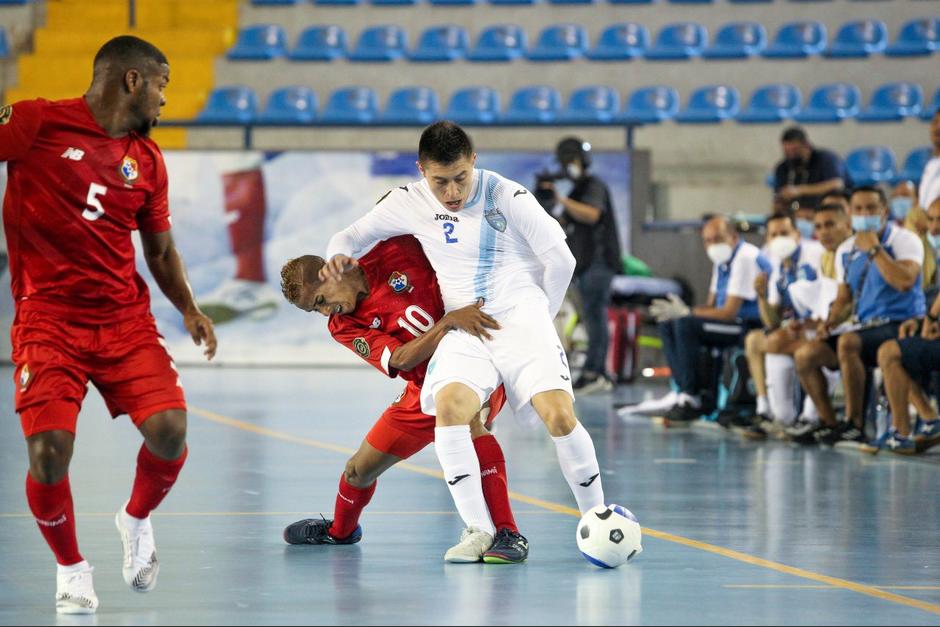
(495, 484)
(155, 477)
(55, 516)
(350, 501)
(245, 201)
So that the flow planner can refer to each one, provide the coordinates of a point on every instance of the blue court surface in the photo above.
(734, 532)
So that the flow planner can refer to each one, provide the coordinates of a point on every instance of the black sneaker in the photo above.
(313, 531)
(509, 547)
(851, 437)
(591, 382)
(681, 416)
(761, 427)
(833, 435)
(813, 436)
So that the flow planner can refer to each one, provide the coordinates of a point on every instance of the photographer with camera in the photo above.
(587, 216)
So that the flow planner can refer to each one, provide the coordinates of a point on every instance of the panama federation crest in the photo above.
(496, 219)
(399, 282)
(129, 171)
(24, 377)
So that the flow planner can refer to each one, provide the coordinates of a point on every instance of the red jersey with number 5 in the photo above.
(404, 302)
(73, 197)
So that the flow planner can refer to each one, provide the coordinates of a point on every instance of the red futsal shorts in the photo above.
(403, 429)
(127, 361)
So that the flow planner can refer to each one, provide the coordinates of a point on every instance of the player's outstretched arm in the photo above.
(167, 267)
(470, 319)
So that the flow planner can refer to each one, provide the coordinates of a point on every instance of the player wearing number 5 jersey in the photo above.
(82, 175)
(389, 312)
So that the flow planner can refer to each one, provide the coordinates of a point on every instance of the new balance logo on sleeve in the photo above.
(457, 479)
(74, 154)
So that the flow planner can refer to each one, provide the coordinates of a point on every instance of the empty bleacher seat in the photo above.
(633, 1)
(451, 3)
(859, 39)
(511, 2)
(592, 104)
(394, 3)
(797, 40)
(831, 103)
(772, 103)
(916, 37)
(474, 105)
(650, 105)
(380, 44)
(932, 107)
(559, 42)
(871, 165)
(230, 105)
(412, 105)
(683, 40)
(290, 105)
(571, 1)
(504, 42)
(351, 105)
(750, 1)
(320, 43)
(259, 43)
(534, 105)
(691, 1)
(914, 165)
(619, 42)
(893, 102)
(710, 104)
(339, 3)
(739, 40)
(441, 43)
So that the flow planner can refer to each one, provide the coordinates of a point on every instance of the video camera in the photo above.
(546, 197)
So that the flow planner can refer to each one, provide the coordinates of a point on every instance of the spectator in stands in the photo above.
(879, 274)
(588, 220)
(723, 321)
(930, 179)
(806, 173)
(906, 211)
(931, 288)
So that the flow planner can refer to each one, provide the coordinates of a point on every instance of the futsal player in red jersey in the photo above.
(389, 311)
(82, 175)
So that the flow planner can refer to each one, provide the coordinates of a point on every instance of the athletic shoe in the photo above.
(591, 383)
(927, 434)
(317, 531)
(509, 547)
(141, 566)
(238, 298)
(815, 435)
(75, 592)
(873, 447)
(799, 430)
(762, 427)
(850, 437)
(473, 544)
(901, 445)
(652, 407)
(681, 416)
(740, 423)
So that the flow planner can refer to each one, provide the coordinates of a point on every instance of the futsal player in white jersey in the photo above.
(486, 237)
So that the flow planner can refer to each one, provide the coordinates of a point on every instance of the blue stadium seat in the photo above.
(290, 105)
(4, 44)
(14, 2)
(320, 43)
(797, 40)
(380, 44)
(559, 42)
(504, 42)
(259, 43)
(916, 37)
(351, 105)
(710, 105)
(511, 2)
(412, 105)
(893, 102)
(750, 1)
(931, 109)
(592, 104)
(230, 105)
(831, 103)
(571, 1)
(772, 103)
(394, 3)
(691, 1)
(859, 39)
(440, 44)
(339, 3)
(619, 42)
(683, 40)
(739, 40)
(534, 105)
(871, 165)
(914, 165)
(633, 1)
(452, 3)
(474, 105)
(650, 105)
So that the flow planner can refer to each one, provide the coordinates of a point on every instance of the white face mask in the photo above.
(719, 253)
(574, 171)
(783, 247)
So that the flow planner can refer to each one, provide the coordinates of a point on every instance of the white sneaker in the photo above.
(473, 544)
(140, 551)
(652, 407)
(238, 298)
(75, 592)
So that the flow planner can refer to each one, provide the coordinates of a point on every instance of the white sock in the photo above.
(810, 413)
(578, 463)
(134, 525)
(781, 386)
(462, 473)
(689, 400)
(73, 568)
(763, 407)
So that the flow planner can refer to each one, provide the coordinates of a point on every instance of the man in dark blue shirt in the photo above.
(806, 173)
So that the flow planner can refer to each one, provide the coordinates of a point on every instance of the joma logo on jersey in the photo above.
(74, 154)
(129, 170)
(398, 282)
(444, 216)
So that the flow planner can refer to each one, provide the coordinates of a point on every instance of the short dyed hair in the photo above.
(300, 271)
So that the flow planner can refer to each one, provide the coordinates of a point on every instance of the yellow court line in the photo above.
(780, 586)
(236, 514)
(562, 509)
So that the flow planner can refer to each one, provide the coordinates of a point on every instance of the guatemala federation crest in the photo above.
(399, 282)
(129, 171)
(496, 219)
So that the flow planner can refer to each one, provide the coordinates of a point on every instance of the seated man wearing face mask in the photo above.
(731, 311)
(932, 288)
(793, 259)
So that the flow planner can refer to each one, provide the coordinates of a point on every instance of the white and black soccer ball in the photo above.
(609, 536)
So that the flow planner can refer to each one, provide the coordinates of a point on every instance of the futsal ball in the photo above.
(609, 536)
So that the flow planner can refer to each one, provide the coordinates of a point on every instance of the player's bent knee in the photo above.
(356, 475)
(557, 413)
(165, 433)
(49, 456)
(456, 404)
(889, 352)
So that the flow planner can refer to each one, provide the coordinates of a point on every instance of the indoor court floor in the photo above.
(734, 532)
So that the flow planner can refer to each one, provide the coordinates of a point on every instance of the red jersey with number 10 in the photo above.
(73, 197)
(404, 302)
